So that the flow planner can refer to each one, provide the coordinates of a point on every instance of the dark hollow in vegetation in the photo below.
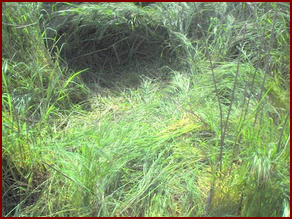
(105, 57)
(108, 50)
(143, 4)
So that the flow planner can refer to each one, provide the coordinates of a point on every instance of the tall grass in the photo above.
(202, 131)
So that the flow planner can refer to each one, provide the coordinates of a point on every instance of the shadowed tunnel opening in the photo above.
(116, 53)
(112, 50)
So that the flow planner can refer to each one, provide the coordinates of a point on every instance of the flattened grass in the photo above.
(147, 144)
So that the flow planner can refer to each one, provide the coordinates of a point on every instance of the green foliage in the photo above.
(172, 109)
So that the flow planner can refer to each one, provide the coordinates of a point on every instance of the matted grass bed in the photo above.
(137, 109)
